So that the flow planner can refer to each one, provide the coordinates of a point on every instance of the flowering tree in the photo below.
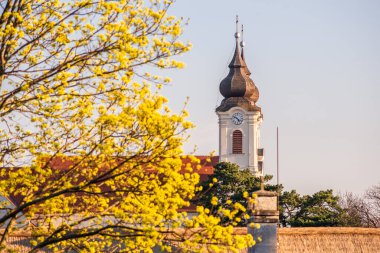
(87, 143)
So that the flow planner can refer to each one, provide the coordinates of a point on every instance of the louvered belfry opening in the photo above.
(237, 142)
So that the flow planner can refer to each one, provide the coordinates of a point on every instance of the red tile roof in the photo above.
(207, 164)
(205, 170)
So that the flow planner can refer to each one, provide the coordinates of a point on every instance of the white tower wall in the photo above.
(250, 128)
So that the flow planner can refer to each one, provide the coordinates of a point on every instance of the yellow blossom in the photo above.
(214, 201)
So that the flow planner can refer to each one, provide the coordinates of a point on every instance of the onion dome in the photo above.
(237, 88)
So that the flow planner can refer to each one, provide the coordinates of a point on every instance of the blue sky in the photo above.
(317, 66)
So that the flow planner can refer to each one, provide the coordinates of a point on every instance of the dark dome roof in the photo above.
(238, 84)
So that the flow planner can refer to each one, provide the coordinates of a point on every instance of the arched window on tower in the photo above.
(237, 142)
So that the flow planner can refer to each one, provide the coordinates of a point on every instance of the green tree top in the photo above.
(229, 184)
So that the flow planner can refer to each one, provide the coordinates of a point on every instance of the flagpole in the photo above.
(278, 175)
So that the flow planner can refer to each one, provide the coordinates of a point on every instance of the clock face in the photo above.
(237, 118)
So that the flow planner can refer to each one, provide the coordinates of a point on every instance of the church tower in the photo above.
(239, 116)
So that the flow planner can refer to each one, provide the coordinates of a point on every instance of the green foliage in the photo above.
(228, 184)
(321, 209)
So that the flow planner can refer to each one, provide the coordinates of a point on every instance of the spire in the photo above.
(242, 44)
(237, 35)
(236, 61)
(237, 87)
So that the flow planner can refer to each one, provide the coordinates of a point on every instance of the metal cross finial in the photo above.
(237, 35)
(242, 43)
